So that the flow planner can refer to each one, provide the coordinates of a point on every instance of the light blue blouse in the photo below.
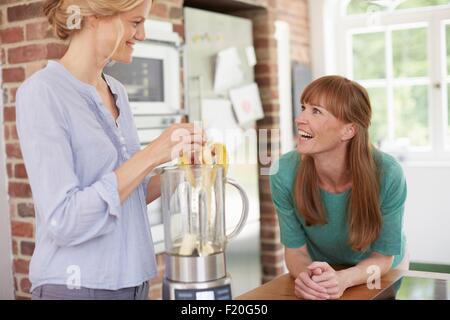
(71, 146)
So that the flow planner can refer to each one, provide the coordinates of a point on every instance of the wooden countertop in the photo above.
(282, 287)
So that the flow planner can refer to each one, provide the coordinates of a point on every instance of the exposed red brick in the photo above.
(176, 13)
(261, 68)
(268, 233)
(25, 11)
(27, 248)
(27, 53)
(15, 249)
(159, 10)
(13, 74)
(9, 114)
(272, 270)
(179, 28)
(264, 81)
(6, 132)
(12, 35)
(9, 169)
(262, 43)
(19, 190)
(13, 132)
(16, 287)
(12, 94)
(22, 229)
(271, 258)
(271, 247)
(25, 285)
(20, 171)
(25, 210)
(3, 56)
(21, 266)
(13, 151)
(38, 30)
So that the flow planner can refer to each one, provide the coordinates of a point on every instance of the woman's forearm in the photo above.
(297, 260)
(375, 265)
(154, 189)
(132, 172)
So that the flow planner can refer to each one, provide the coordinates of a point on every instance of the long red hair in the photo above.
(349, 102)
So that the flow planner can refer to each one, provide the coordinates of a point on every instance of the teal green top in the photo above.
(329, 242)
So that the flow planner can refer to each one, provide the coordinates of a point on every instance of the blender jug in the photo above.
(193, 204)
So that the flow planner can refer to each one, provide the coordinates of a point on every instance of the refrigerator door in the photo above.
(209, 35)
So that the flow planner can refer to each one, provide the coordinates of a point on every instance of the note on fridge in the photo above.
(228, 73)
(218, 120)
(251, 56)
(247, 103)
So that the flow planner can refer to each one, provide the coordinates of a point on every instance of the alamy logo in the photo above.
(74, 278)
(74, 19)
(374, 279)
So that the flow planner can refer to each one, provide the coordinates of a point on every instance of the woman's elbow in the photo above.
(386, 266)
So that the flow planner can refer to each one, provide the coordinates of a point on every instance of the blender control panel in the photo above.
(218, 293)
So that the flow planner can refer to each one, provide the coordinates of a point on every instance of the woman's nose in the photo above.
(140, 33)
(301, 118)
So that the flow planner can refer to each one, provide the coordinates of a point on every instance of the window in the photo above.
(365, 6)
(400, 51)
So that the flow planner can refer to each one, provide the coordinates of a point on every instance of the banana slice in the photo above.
(220, 156)
(188, 245)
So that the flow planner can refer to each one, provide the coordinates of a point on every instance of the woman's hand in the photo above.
(176, 139)
(333, 281)
(306, 288)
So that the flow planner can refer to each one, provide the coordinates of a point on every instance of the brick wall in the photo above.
(27, 42)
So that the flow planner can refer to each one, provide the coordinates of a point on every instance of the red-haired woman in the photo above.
(339, 200)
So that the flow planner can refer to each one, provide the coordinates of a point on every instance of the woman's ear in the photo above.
(349, 131)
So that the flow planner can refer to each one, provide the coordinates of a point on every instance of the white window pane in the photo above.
(363, 6)
(448, 115)
(409, 4)
(411, 115)
(366, 6)
(447, 35)
(409, 47)
(378, 130)
(368, 56)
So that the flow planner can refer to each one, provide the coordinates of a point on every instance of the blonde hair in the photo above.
(348, 101)
(59, 13)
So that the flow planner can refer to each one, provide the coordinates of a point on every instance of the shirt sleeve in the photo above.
(392, 208)
(292, 233)
(70, 213)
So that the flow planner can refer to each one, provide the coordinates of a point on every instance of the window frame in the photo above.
(436, 18)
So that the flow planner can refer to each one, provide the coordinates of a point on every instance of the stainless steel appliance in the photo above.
(193, 202)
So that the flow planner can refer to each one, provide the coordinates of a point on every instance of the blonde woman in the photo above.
(339, 200)
(86, 170)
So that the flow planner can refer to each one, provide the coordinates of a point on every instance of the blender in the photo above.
(193, 204)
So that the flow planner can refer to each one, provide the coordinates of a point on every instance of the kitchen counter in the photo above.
(282, 287)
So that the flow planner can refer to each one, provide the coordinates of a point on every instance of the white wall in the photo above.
(6, 280)
(427, 213)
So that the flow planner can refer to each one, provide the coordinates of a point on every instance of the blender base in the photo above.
(219, 289)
